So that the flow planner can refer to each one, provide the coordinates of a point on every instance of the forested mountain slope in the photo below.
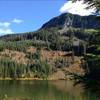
(54, 50)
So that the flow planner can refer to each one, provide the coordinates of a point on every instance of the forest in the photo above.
(78, 41)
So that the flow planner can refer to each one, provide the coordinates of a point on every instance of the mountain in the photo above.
(78, 21)
(58, 24)
(52, 51)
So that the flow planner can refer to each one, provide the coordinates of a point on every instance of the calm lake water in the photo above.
(44, 90)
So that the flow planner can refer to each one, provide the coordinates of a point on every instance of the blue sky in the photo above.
(27, 15)
(17, 16)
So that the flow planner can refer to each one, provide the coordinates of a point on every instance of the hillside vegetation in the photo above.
(53, 52)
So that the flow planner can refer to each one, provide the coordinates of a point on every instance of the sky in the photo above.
(18, 16)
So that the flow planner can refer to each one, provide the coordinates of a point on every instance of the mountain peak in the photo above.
(77, 21)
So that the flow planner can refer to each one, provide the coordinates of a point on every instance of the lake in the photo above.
(44, 90)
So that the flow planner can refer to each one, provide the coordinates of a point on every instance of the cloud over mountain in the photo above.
(77, 7)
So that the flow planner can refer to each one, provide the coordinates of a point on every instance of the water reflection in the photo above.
(44, 90)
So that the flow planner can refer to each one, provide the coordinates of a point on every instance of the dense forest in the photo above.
(22, 55)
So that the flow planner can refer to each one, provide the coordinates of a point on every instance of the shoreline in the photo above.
(23, 79)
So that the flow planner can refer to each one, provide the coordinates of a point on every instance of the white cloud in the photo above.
(4, 24)
(4, 31)
(4, 28)
(77, 7)
(18, 21)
